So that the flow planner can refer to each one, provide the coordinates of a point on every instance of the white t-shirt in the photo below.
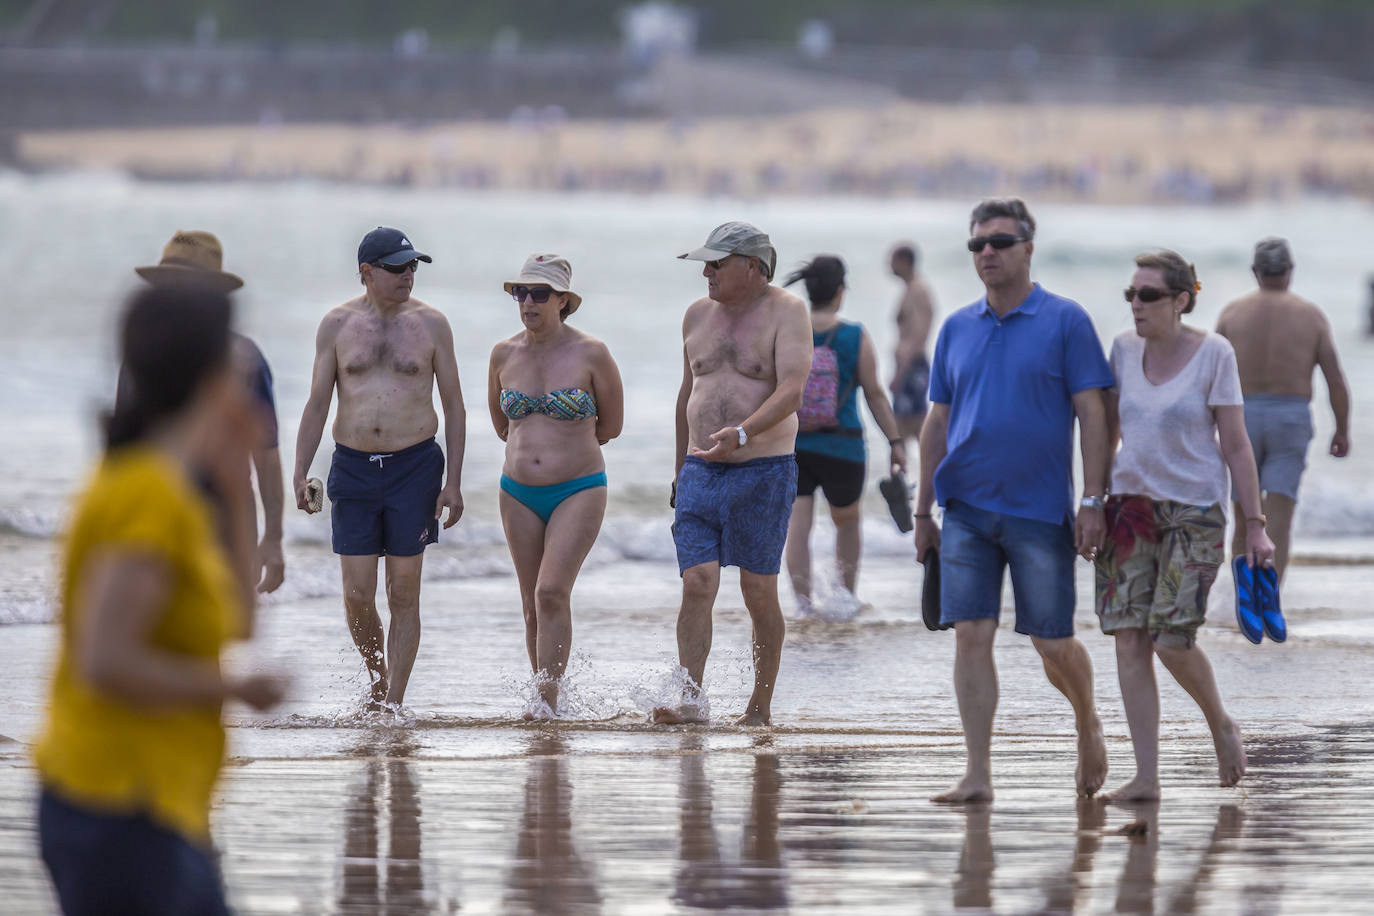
(1169, 448)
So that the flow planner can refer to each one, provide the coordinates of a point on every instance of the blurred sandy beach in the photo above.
(1118, 154)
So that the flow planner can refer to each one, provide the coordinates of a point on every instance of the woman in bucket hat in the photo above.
(555, 398)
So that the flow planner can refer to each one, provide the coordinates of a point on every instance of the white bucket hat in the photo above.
(549, 270)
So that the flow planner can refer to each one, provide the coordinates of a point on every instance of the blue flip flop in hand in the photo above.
(1248, 607)
(1267, 600)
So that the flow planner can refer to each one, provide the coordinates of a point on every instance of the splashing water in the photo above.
(830, 600)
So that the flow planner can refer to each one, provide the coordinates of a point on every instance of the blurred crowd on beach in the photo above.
(1157, 154)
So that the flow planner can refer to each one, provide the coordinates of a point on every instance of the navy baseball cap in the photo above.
(385, 245)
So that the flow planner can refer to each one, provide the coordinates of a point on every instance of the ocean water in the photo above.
(295, 243)
(869, 694)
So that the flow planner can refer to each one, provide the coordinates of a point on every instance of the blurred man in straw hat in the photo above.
(385, 351)
(746, 356)
(194, 259)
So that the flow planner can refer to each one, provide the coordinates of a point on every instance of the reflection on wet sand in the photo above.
(973, 879)
(1066, 891)
(547, 875)
(387, 793)
(705, 878)
(714, 824)
(1071, 891)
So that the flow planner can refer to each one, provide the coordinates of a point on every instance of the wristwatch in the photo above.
(743, 437)
(1093, 502)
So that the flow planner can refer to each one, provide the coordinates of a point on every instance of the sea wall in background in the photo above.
(78, 85)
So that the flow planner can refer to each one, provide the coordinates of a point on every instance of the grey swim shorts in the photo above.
(1280, 428)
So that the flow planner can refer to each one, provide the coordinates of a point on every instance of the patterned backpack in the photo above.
(822, 398)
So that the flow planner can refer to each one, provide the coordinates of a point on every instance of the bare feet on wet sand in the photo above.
(682, 715)
(1230, 754)
(377, 692)
(754, 717)
(539, 711)
(968, 790)
(1091, 771)
(1140, 788)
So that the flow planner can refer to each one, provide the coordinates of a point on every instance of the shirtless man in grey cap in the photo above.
(1279, 338)
(746, 356)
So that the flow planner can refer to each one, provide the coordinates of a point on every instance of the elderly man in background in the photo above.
(1279, 338)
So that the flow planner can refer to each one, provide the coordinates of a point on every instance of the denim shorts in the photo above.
(124, 863)
(734, 514)
(975, 547)
(384, 503)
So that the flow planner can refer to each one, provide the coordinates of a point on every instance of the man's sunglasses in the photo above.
(1146, 294)
(400, 268)
(1000, 241)
(719, 263)
(538, 294)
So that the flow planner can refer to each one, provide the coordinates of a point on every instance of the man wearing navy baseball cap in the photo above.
(388, 247)
(385, 351)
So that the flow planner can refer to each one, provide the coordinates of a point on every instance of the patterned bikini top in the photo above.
(563, 404)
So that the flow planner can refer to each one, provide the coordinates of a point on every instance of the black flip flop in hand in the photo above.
(930, 592)
(898, 496)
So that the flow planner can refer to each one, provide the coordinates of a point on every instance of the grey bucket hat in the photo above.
(736, 237)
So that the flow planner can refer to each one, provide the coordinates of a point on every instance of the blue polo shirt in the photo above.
(1009, 383)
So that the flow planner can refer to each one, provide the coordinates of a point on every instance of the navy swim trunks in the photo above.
(383, 503)
(734, 514)
(910, 397)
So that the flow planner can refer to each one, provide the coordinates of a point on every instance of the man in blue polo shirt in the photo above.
(1010, 373)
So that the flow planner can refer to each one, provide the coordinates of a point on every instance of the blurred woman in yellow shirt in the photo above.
(156, 578)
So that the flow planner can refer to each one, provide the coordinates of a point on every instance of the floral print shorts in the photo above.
(1159, 563)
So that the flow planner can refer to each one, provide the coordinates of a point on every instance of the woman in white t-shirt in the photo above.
(1178, 414)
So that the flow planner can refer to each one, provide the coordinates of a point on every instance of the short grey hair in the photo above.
(1009, 207)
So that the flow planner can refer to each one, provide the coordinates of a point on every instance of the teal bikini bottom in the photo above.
(543, 500)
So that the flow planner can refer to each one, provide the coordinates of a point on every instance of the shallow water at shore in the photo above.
(750, 823)
(455, 803)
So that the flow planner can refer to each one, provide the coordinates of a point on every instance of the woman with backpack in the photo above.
(830, 437)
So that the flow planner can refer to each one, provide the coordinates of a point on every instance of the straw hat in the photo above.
(191, 257)
(549, 270)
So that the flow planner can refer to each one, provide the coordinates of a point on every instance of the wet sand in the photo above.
(578, 823)
(462, 807)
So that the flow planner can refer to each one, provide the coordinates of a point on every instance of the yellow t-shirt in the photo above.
(98, 751)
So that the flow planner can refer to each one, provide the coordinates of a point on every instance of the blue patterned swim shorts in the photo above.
(734, 514)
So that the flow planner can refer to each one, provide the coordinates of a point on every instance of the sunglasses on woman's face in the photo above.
(1000, 241)
(538, 294)
(1146, 294)
(400, 268)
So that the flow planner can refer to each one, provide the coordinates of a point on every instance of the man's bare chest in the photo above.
(369, 348)
(713, 350)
